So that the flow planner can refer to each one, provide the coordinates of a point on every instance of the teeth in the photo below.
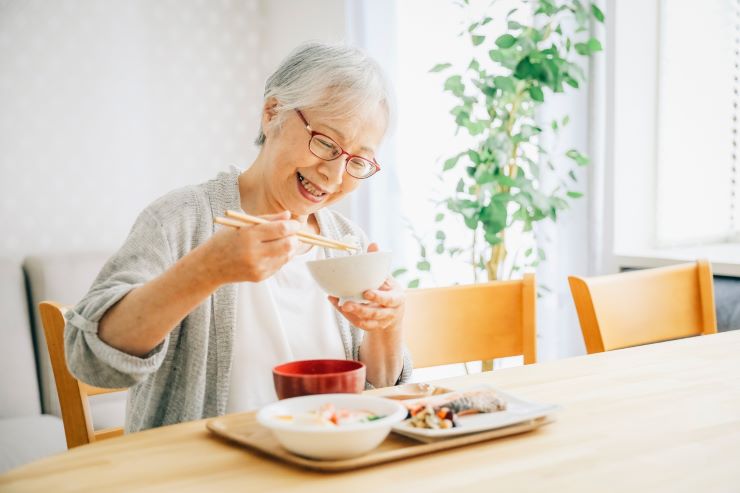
(309, 186)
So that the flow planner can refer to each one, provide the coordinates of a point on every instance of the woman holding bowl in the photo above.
(193, 317)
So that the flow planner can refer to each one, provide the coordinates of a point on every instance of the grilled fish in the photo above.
(461, 403)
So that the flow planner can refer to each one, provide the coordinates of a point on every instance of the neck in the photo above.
(256, 195)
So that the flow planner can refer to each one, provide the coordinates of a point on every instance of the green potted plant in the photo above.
(499, 186)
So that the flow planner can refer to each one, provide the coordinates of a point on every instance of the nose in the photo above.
(333, 171)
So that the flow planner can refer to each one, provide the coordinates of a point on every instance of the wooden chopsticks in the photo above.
(236, 219)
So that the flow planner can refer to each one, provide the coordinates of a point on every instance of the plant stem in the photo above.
(472, 256)
(498, 251)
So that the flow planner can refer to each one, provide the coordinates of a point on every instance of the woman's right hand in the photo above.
(253, 252)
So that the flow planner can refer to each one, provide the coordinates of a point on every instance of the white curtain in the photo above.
(376, 205)
(577, 244)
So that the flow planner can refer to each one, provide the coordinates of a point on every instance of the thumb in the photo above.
(279, 216)
(372, 247)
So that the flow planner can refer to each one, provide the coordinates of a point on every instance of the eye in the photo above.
(327, 144)
(360, 166)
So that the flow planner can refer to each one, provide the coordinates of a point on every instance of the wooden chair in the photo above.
(73, 394)
(645, 306)
(459, 324)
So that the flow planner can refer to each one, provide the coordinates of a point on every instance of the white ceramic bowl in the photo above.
(348, 277)
(336, 442)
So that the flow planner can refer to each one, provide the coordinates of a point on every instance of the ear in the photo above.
(269, 113)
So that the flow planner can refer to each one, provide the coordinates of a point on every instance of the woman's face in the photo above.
(303, 183)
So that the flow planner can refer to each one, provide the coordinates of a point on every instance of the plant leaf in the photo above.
(591, 46)
(580, 159)
(505, 41)
(477, 39)
(536, 93)
(454, 84)
(598, 14)
(440, 67)
(506, 84)
(413, 284)
(450, 163)
(423, 265)
(399, 272)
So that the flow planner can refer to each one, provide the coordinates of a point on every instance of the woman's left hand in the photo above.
(385, 310)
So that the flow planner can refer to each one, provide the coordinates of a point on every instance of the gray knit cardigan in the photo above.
(186, 377)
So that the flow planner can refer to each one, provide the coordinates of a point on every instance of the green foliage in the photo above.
(496, 99)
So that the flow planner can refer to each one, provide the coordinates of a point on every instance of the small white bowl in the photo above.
(336, 442)
(348, 277)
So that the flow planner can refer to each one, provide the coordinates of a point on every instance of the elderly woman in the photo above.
(192, 317)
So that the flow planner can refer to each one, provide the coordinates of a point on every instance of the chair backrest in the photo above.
(459, 324)
(73, 394)
(645, 306)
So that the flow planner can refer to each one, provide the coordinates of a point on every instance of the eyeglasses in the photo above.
(323, 147)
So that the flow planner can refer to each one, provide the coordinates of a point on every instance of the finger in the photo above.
(392, 299)
(364, 312)
(346, 308)
(276, 230)
(387, 285)
(372, 247)
(283, 248)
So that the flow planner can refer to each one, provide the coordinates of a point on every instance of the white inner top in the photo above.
(286, 317)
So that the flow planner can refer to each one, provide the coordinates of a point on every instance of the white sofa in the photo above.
(30, 423)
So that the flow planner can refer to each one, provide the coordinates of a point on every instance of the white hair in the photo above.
(339, 80)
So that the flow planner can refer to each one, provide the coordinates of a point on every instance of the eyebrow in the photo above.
(341, 136)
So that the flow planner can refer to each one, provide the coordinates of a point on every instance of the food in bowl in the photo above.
(329, 415)
(305, 435)
(348, 277)
(318, 376)
(443, 411)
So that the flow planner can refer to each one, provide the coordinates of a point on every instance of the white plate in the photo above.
(517, 411)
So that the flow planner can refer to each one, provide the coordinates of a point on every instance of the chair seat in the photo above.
(26, 439)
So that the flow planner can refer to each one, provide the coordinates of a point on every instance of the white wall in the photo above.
(108, 105)
(290, 22)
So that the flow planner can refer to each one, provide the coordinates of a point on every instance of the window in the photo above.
(696, 196)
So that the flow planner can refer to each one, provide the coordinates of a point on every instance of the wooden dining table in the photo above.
(662, 417)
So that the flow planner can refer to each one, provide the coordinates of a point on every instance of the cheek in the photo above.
(349, 185)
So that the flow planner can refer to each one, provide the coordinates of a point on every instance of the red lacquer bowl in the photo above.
(318, 376)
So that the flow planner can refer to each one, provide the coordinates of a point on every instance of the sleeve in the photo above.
(144, 255)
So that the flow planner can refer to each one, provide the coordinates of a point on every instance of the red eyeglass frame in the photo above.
(349, 156)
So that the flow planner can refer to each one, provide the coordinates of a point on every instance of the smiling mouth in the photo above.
(309, 187)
